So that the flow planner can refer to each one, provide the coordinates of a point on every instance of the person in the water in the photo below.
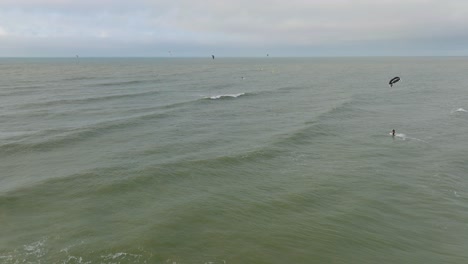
(393, 132)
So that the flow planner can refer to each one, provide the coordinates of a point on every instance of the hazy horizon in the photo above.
(244, 28)
(232, 57)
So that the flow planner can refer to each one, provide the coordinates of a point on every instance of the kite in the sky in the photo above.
(393, 80)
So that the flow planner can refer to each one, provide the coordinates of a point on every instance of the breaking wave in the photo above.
(225, 96)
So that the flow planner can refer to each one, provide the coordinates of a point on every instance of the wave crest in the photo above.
(225, 96)
(459, 110)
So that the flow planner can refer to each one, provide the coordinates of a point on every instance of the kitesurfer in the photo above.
(393, 133)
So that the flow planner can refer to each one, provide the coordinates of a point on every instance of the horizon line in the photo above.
(217, 57)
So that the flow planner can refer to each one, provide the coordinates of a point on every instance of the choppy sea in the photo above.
(234, 160)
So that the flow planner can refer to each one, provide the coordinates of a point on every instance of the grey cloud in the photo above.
(239, 25)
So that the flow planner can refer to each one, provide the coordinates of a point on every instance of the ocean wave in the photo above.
(56, 138)
(79, 78)
(116, 179)
(18, 93)
(48, 140)
(21, 90)
(225, 96)
(459, 110)
(221, 86)
(320, 126)
(348, 109)
(124, 83)
(59, 137)
(27, 87)
(291, 88)
(41, 252)
(88, 99)
(15, 134)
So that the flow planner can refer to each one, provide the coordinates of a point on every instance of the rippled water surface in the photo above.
(268, 160)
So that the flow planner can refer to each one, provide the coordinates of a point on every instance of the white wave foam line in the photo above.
(225, 95)
(404, 137)
(7, 258)
(76, 260)
(399, 135)
(36, 248)
(459, 110)
(120, 255)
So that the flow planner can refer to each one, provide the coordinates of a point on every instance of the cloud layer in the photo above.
(233, 28)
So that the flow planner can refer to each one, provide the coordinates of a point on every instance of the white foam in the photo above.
(399, 135)
(7, 258)
(459, 110)
(76, 260)
(36, 248)
(225, 95)
(404, 137)
(120, 255)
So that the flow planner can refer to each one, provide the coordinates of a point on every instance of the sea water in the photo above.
(233, 160)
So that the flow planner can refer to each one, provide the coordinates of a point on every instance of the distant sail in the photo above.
(212, 56)
(394, 80)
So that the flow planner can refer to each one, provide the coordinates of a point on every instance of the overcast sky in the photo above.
(244, 28)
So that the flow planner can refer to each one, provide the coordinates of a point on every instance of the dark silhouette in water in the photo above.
(212, 56)
(394, 80)
(393, 133)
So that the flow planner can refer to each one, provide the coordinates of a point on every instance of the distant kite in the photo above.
(393, 80)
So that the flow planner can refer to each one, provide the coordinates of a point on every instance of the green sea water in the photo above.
(234, 160)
